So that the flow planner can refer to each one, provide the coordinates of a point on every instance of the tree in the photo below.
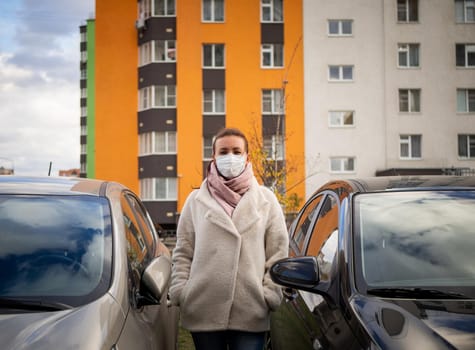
(271, 169)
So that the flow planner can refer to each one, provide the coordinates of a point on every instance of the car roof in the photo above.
(12, 184)
(388, 183)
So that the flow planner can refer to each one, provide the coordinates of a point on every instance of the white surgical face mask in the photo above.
(230, 165)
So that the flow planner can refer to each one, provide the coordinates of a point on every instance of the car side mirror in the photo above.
(299, 273)
(155, 281)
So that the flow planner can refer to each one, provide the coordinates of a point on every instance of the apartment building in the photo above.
(389, 88)
(6, 166)
(87, 91)
(169, 74)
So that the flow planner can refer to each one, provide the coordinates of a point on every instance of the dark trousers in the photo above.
(228, 340)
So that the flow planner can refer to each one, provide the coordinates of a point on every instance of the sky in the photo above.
(39, 84)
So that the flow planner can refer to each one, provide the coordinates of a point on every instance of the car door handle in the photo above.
(289, 293)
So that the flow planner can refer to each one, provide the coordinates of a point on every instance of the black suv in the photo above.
(380, 263)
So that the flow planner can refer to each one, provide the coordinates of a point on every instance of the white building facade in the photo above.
(389, 88)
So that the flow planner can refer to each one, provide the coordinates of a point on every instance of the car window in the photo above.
(55, 248)
(304, 222)
(325, 225)
(144, 221)
(326, 255)
(138, 253)
(416, 239)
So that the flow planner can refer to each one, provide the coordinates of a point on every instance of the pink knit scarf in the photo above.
(228, 193)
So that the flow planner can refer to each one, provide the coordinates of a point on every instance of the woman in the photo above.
(231, 230)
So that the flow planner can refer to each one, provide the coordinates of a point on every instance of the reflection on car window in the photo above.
(138, 253)
(54, 246)
(304, 222)
(327, 223)
(143, 219)
(327, 254)
(417, 238)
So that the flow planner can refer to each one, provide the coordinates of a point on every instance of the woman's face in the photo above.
(229, 144)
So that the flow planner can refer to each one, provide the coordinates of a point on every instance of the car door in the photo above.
(293, 325)
(309, 320)
(146, 326)
(330, 329)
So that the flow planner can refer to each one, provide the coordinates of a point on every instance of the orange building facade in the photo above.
(170, 74)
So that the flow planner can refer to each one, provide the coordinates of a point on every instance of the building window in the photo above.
(83, 37)
(340, 27)
(271, 11)
(213, 102)
(83, 92)
(157, 143)
(158, 188)
(342, 164)
(157, 51)
(213, 56)
(149, 8)
(145, 8)
(83, 111)
(272, 55)
(409, 100)
(465, 11)
(407, 11)
(165, 96)
(274, 147)
(465, 100)
(465, 55)
(408, 55)
(410, 146)
(466, 145)
(145, 53)
(164, 7)
(157, 96)
(83, 168)
(340, 73)
(165, 51)
(83, 130)
(83, 73)
(208, 147)
(340, 118)
(273, 101)
(212, 10)
(83, 56)
(83, 148)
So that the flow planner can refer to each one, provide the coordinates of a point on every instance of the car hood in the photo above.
(93, 326)
(417, 324)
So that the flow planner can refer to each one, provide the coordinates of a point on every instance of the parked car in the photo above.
(81, 267)
(380, 263)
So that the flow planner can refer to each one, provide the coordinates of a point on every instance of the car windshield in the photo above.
(417, 239)
(54, 248)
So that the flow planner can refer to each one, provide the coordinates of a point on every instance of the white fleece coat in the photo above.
(220, 275)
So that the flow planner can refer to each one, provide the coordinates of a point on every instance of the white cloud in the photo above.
(40, 122)
(10, 75)
(39, 84)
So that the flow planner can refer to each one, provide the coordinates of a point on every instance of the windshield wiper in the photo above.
(32, 304)
(422, 293)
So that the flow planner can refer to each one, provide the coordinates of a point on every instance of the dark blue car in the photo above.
(380, 263)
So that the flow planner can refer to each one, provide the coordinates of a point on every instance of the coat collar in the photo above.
(249, 209)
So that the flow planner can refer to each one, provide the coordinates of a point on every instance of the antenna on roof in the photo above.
(49, 171)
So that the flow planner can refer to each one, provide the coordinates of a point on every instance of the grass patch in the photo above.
(185, 342)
